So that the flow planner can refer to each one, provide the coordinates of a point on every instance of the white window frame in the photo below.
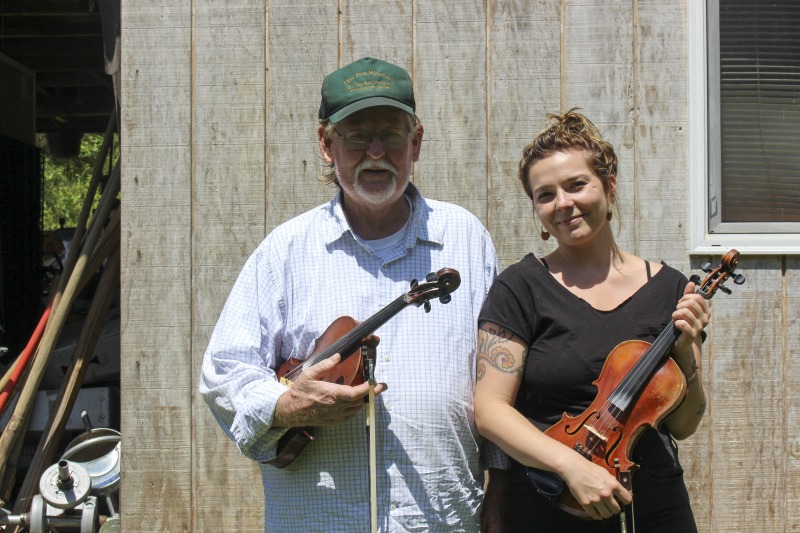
(753, 238)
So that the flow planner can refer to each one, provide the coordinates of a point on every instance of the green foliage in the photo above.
(66, 183)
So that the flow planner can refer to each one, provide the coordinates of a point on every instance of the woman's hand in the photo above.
(691, 316)
(598, 492)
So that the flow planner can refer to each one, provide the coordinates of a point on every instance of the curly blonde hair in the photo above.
(564, 132)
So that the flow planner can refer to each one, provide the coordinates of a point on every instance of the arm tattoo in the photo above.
(493, 352)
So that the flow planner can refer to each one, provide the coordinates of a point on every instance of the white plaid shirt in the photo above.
(305, 274)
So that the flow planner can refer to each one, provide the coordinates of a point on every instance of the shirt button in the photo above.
(393, 507)
(389, 407)
(387, 358)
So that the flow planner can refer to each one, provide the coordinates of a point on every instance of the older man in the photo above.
(352, 257)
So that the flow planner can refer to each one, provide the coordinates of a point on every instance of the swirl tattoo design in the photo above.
(493, 352)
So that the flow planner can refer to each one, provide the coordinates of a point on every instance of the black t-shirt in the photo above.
(568, 339)
(568, 343)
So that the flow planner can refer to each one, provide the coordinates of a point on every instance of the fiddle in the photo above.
(638, 387)
(354, 341)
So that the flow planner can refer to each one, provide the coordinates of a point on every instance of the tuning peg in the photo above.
(724, 289)
(738, 279)
(694, 278)
(414, 283)
(427, 306)
(706, 267)
(431, 277)
(445, 298)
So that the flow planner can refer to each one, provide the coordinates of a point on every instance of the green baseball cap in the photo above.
(365, 83)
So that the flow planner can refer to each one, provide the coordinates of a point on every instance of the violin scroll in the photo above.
(437, 285)
(715, 280)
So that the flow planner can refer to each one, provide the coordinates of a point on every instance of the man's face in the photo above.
(373, 152)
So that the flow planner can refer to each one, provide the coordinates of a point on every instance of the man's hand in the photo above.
(313, 402)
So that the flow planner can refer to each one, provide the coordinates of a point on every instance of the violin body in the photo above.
(355, 341)
(349, 371)
(606, 436)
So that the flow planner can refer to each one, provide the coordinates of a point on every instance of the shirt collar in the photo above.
(420, 228)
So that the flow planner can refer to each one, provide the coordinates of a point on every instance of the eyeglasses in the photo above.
(391, 138)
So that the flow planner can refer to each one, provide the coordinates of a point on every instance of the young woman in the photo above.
(547, 328)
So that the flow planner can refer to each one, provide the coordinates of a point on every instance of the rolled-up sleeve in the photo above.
(238, 380)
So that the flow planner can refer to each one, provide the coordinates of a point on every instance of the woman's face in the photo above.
(569, 198)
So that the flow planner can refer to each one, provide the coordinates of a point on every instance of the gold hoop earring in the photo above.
(545, 235)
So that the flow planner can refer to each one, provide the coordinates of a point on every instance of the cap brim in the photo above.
(373, 101)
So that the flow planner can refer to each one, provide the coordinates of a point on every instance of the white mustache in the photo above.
(380, 164)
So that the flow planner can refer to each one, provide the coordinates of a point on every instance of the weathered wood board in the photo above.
(219, 146)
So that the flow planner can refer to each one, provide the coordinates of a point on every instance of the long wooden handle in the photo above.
(16, 423)
(84, 351)
(373, 455)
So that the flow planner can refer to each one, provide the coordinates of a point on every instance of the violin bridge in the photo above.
(596, 433)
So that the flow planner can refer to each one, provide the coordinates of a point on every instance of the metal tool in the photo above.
(69, 490)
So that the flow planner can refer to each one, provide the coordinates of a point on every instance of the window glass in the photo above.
(754, 116)
(744, 126)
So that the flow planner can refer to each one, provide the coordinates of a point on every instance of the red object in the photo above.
(26, 355)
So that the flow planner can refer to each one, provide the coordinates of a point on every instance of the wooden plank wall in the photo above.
(156, 271)
(219, 146)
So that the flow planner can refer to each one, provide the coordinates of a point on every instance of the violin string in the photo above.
(628, 387)
(358, 333)
(336, 347)
(649, 360)
(636, 379)
(646, 365)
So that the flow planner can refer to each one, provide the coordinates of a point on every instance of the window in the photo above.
(745, 112)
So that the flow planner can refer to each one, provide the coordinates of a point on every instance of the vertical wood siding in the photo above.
(219, 146)
(228, 217)
(156, 274)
